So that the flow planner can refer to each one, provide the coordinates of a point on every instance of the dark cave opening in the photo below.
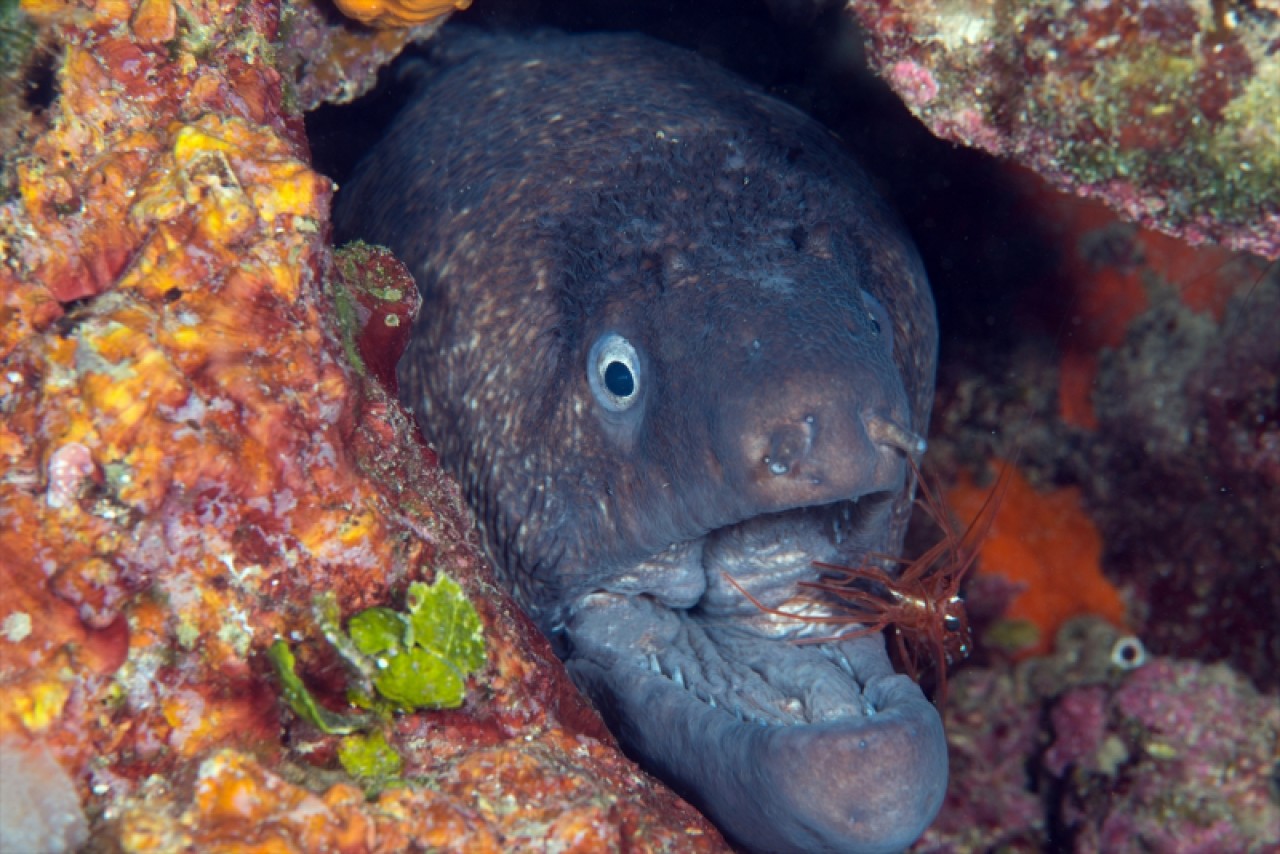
(960, 205)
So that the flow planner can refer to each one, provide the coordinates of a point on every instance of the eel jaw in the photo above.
(808, 748)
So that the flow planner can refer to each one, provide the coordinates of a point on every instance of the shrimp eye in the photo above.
(613, 372)
(951, 623)
(1128, 653)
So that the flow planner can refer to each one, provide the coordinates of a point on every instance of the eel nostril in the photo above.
(788, 445)
(882, 431)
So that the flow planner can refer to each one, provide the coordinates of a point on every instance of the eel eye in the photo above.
(614, 372)
(877, 318)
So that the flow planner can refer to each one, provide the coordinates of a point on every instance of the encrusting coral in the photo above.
(190, 456)
(1088, 750)
(193, 444)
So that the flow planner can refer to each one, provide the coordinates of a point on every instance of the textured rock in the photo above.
(1142, 371)
(1189, 429)
(1083, 751)
(1168, 111)
(1177, 757)
(1136, 369)
(335, 61)
(192, 451)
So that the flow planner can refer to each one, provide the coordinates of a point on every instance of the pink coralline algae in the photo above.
(1178, 758)
(914, 82)
(1168, 111)
(1090, 750)
(993, 732)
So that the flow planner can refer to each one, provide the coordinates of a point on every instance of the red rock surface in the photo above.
(189, 456)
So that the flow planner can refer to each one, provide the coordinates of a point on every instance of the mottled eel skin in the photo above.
(670, 332)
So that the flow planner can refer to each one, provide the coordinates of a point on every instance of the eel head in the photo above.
(814, 746)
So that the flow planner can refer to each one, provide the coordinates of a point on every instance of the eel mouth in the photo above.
(786, 747)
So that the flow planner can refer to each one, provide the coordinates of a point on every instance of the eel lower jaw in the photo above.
(784, 747)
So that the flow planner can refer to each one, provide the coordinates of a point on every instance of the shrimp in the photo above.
(921, 607)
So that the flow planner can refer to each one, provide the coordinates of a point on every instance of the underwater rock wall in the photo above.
(1136, 388)
(1168, 111)
(1082, 751)
(193, 450)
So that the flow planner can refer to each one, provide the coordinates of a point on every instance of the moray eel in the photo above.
(670, 334)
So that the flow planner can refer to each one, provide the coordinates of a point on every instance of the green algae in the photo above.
(356, 262)
(424, 655)
(370, 760)
(301, 701)
(400, 661)
(348, 324)
(1246, 149)
(1012, 636)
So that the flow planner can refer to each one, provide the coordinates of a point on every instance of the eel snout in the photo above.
(818, 438)
(816, 748)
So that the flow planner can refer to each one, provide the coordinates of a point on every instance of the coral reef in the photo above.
(195, 441)
(1170, 111)
(1135, 374)
(993, 732)
(1178, 756)
(192, 453)
(1084, 751)
(1189, 430)
(1141, 371)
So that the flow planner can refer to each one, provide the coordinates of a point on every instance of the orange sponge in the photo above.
(1045, 545)
(398, 13)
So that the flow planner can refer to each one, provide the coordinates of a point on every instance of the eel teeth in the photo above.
(839, 658)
